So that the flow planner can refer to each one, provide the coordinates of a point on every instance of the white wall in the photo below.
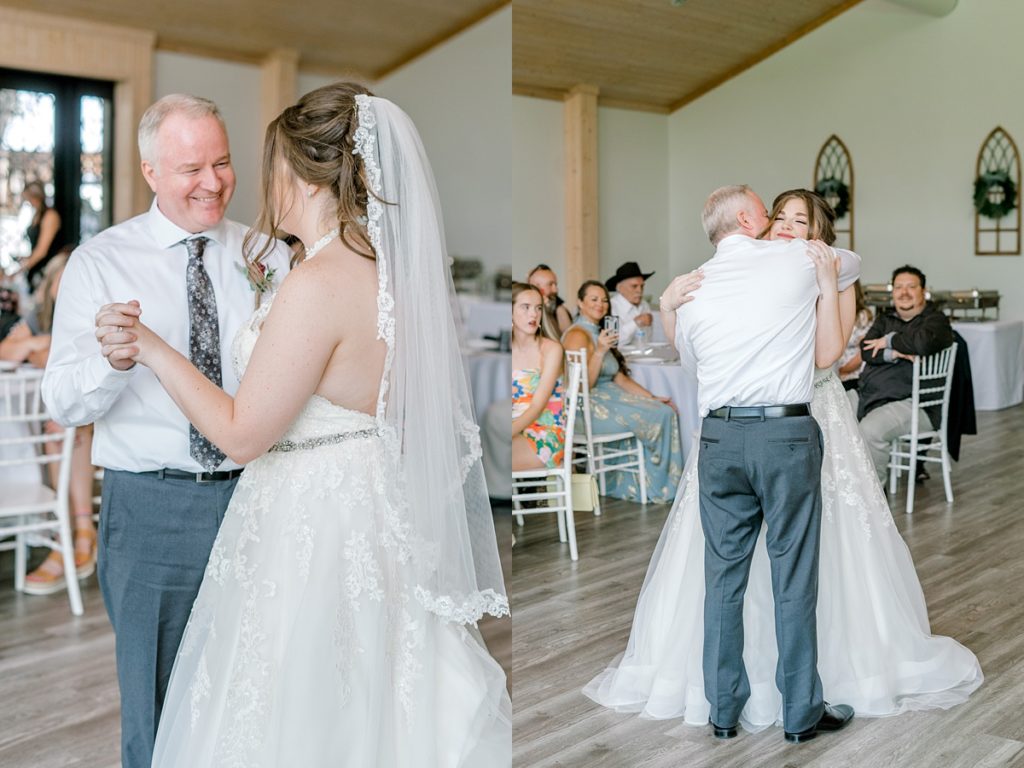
(458, 94)
(911, 95)
(634, 192)
(460, 97)
(538, 202)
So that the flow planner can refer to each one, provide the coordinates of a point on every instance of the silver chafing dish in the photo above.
(969, 305)
(973, 305)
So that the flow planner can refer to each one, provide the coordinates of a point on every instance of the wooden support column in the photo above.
(581, 204)
(278, 84)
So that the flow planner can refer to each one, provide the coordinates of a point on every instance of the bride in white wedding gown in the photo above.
(336, 623)
(875, 648)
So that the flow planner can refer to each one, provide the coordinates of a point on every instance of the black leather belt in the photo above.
(196, 477)
(760, 411)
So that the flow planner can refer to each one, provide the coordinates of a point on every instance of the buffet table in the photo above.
(490, 378)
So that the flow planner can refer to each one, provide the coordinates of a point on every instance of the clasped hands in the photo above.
(124, 339)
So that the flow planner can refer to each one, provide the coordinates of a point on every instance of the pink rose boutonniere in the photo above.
(260, 278)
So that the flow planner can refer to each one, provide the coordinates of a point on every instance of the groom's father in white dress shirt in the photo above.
(751, 329)
(161, 506)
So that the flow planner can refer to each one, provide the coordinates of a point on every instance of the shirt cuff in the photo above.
(103, 376)
(888, 356)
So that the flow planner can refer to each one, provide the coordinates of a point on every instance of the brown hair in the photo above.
(45, 304)
(544, 327)
(315, 139)
(583, 292)
(820, 216)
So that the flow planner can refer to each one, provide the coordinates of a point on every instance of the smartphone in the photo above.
(611, 323)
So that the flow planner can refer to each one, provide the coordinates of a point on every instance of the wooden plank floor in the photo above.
(571, 619)
(59, 704)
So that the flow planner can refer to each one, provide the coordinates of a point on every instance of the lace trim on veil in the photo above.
(399, 534)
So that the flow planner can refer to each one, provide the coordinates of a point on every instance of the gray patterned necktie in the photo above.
(203, 342)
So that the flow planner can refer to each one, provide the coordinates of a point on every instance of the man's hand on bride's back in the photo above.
(679, 290)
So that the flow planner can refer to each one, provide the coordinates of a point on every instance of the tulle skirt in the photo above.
(305, 646)
(875, 647)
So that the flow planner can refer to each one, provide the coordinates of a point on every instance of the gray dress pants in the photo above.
(751, 470)
(155, 539)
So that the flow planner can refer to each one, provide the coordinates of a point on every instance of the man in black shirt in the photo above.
(911, 327)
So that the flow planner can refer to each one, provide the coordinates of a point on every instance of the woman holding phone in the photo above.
(620, 404)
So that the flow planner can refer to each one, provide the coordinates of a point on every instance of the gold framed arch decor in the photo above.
(997, 196)
(833, 180)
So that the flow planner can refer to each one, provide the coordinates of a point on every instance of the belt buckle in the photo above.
(204, 478)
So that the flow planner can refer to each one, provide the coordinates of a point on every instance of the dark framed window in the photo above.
(57, 130)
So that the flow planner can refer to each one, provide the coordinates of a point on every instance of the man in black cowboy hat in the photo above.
(627, 291)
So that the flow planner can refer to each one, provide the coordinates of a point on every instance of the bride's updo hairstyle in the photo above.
(820, 216)
(314, 139)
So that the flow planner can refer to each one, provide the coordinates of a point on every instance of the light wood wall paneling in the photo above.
(581, 180)
(278, 85)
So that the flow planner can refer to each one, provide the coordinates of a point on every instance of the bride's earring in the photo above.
(309, 192)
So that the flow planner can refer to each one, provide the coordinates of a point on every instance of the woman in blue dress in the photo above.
(619, 404)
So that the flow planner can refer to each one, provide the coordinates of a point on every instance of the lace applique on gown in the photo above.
(875, 647)
(305, 646)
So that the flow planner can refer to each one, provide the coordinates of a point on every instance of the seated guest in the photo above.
(635, 317)
(619, 404)
(851, 362)
(542, 277)
(538, 432)
(20, 345)
(32, 339)
(911, 327)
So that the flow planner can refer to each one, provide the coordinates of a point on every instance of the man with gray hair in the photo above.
(750, 327)
(165, 486)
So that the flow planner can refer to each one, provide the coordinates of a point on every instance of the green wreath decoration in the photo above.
(834, 189)
(984, 186)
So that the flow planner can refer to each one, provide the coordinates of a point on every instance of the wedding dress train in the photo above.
(875, 647)
(307, 645)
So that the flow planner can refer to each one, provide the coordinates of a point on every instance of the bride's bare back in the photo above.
(352, 376)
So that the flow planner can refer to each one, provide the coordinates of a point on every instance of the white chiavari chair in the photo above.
(551, 489)
(31, 512)
(595, 452)
(933, 380)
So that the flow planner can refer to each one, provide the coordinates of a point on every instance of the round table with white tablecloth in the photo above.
(490, 378)
(996, 351)
(657, 368)
(484, 317)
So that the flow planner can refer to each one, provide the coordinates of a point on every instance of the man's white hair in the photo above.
(176, 103)
(719, 215)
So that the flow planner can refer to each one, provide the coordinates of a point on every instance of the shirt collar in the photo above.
(167, 233)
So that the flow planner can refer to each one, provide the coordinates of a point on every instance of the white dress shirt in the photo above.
(751, 324)
(628, 313)
(138, 426)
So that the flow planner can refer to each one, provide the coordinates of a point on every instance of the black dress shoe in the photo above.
(723, 733)
(834, 718)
